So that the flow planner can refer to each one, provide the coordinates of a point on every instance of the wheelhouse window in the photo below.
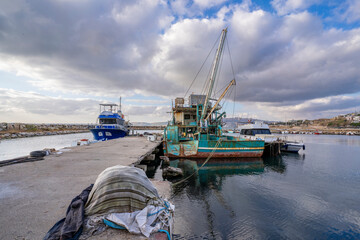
(253, 132)
(261, 131)
(248, 132)
(108, 121)
(187, 116)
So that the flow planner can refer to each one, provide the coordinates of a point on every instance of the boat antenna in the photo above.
(120, 103)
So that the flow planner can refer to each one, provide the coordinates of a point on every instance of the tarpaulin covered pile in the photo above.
(123, 197)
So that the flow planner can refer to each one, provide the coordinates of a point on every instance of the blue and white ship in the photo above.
(110, 123)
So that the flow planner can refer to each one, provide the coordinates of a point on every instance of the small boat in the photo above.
(292, 147)
(111, 123)
(257, 130)
(260, 130)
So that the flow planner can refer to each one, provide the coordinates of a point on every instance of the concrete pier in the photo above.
(35, 195)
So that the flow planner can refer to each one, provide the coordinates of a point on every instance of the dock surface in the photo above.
(35, 195)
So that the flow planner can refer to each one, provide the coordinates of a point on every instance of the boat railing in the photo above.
(108, 126)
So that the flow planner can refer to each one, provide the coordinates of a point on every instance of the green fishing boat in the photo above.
(195, 130)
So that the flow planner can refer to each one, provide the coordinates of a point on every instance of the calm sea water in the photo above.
(311, 195)
(12, 148)
(18, 147)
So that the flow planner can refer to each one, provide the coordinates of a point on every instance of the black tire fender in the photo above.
(38, 153)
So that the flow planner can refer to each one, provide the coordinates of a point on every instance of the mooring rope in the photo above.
(207, 159)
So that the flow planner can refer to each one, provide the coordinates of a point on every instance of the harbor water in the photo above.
(311, 195)
(19, 147)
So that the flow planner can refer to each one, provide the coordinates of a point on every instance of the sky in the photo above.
(291, 59)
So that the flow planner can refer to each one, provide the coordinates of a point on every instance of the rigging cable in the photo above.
(202, 66)
(234, 102)
(232, 69)
(218, 75)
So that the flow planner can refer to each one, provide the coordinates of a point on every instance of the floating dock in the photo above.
(35, 195)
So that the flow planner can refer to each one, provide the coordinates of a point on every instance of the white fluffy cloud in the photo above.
(37, 108)
(117, 48)
(18, 106)
(98, 48)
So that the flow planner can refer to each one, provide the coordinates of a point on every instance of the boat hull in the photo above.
(203, 149)
(292, 147)
(102, 134)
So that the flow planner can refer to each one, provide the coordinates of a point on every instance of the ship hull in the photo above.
(102, 134)
(203, 149)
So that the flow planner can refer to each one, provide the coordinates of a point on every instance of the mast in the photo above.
(120, 103)
(214, 72)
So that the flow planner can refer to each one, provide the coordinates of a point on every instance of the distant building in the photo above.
(356, 119)
(349, 118)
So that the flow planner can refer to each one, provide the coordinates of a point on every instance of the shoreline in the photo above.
(14, 135)
(315, 130)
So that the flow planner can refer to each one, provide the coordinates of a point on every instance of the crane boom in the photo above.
(233, 82)
(214, 71)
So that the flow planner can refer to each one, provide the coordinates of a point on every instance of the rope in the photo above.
(208, 158)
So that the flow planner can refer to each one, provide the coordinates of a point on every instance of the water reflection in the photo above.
(205, 190)
(216, 170)
(275, 163)
(275, 197)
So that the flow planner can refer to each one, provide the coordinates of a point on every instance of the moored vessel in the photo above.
(110, 123)
(195, 130)
(260, 130)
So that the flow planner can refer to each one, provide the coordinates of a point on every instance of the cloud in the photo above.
(208, 3)
(147, 113)
(95, 48)
(294, 58)
(284, 7)
(349, 11)
(155, 48)
(327, 107)
(148, 101)
(20, 106)
(193, 8)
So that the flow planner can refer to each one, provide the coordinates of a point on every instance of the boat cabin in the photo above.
(255, 131)
(110, 115)
(186, 119)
